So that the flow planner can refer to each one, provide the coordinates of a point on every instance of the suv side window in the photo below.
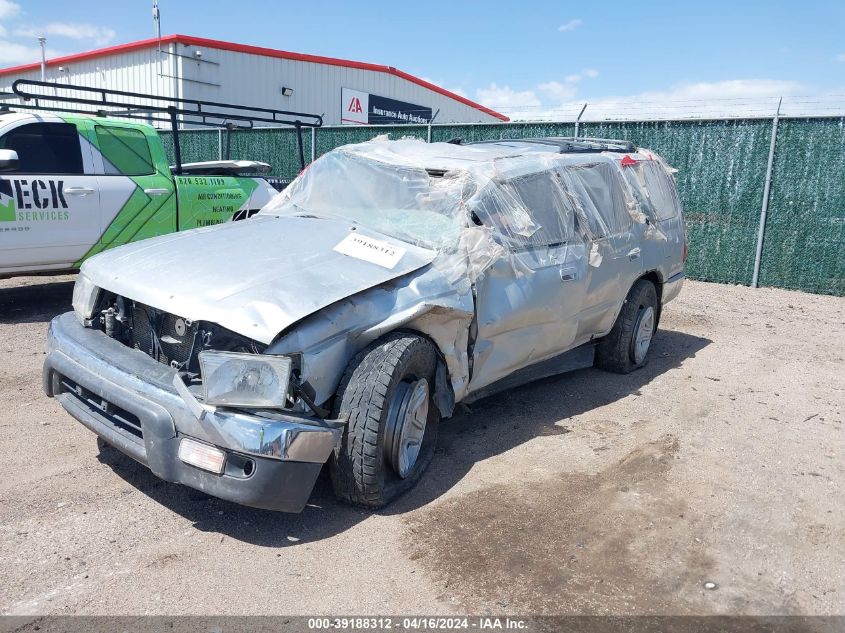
(653, 188)
(600, 192)
(45, 148)
(539, 196)
(125, 151)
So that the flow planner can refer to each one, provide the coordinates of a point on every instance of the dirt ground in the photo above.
(590, 493)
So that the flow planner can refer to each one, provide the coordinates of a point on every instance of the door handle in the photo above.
(634, 253)
(79, 191)
(156, 192)
(568, 274)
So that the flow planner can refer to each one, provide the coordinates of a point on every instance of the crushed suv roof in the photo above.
(455, 155)
(563, 144)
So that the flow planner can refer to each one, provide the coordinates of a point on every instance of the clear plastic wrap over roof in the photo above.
(477, 203)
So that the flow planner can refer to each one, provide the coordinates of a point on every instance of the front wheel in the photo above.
(626, 347)
(389, 439)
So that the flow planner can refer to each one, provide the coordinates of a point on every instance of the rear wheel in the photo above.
(390, 436)
(626, 347)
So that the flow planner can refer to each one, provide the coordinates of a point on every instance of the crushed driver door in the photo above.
(529, 299)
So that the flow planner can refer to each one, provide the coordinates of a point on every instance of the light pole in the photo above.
(43, 42)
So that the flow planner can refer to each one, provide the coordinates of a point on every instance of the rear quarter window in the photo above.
(125, 151)
(599, 190)
(654, 189)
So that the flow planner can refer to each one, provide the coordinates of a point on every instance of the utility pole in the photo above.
(42, 41)
(157, 20)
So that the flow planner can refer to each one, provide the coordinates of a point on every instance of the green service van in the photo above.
(72, 186)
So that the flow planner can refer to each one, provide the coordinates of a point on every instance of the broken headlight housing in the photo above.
(234, 379)
(84, 297)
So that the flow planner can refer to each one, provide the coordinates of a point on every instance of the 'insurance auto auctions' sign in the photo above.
(362, 108)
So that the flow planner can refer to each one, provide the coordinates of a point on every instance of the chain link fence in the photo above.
(722, 169)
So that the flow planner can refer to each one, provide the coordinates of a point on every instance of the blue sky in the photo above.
(524, 58)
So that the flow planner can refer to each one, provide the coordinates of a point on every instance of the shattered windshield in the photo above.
(406, 202)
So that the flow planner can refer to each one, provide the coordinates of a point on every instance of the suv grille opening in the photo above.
(111, 413)
(168, 338)
(165, 337)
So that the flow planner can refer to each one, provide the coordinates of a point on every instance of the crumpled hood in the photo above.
(255, 277)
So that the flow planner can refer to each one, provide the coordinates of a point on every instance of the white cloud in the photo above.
(589, 73)
(558, 92)
(840, 58)
(458, 91)
(547, 96)
(570, 26)
(495, 96)
(732, 88)
(13, 54)
(526, 104)
(9, 9)
(100, 35)
(716, 99)
(729, 98)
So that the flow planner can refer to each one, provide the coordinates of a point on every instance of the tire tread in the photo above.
(613, 351)
(358, 465)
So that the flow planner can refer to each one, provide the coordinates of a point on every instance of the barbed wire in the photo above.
(599, 101)
(679, 109)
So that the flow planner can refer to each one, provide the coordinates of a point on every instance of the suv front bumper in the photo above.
(129, 400)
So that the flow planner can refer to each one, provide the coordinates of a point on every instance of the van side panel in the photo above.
(50, 205)
(137, 191)
(207, 200)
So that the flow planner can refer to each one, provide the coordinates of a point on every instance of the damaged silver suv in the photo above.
(389, 281)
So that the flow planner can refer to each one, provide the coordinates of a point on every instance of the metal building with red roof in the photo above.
(344, 91)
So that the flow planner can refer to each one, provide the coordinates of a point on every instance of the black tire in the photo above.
(360, 472)
(615, 351)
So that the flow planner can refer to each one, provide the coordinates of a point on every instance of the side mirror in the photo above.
(8, 160)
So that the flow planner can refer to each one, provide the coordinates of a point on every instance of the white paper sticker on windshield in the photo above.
(370, 250)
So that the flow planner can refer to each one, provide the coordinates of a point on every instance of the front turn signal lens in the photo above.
(202, 455)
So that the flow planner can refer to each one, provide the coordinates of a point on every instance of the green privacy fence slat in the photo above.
(330, 137)
(467, 133)
(721, 171)
(196, 145)
(804, 246)
(276, 146)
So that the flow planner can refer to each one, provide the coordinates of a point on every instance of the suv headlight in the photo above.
(84, 297)
(232, 379)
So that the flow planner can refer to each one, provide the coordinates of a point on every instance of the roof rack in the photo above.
(571, 144)
(172, 110)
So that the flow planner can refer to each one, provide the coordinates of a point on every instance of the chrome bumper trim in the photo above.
(135, 381)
